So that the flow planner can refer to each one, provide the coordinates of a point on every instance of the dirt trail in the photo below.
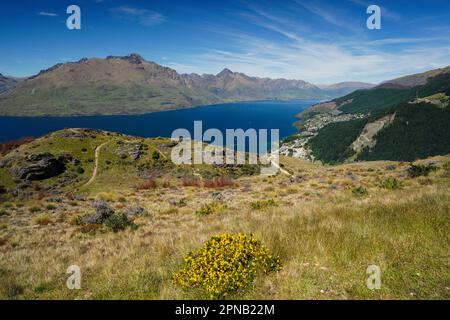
(94, 172)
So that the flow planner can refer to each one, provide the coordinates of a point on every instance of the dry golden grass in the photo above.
(326, 238)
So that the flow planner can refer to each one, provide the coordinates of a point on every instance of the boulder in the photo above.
(44, 166)
(218, 196)
(134, 211)
(102, 212)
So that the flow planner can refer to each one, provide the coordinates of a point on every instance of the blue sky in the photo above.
(316, 41)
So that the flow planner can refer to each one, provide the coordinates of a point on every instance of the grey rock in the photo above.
(297, 179)
(44, 166)
(133, 149)
(79, 198)
(218, 196)
(102, 212)
(134, 211)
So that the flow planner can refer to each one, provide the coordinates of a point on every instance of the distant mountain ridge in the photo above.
(7, 83)
(133, 85)
(415, 79)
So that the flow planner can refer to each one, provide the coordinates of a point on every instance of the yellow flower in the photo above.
(225, 264)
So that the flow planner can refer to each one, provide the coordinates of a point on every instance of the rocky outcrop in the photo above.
(43, 166)
(102, 212)
(366, 138)
(132, 149)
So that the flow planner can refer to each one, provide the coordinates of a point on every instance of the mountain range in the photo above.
(132, 85)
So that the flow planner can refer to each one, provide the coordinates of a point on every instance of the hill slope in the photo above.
(418, 126)
(7, 83)
(326, 224)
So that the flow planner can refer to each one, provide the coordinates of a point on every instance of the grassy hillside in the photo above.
(101, 99)
(326, 224)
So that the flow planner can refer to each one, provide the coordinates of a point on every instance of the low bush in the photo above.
(76, 220)
(156, 155)
(80, 170)
(219, 182)
(263, 204)
(391, 184)
(190, 182)
(418, 170)
(211, 208)
(118, 221)
(149, 183)
(226, 264)
(43, 220)
(34, 209)
(360, 192)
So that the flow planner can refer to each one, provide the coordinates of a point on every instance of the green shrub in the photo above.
(50, 207)
(263, 204)
(360, 192)
(418, 170)
(118, 221)
(41, 287)
(155, 155)
(225, 264)
(3, 213)
(34, 209)
(77, 220)
(211, 208)
(80, 170)
(391, 184)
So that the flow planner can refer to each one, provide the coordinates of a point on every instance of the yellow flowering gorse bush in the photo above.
(225, 264)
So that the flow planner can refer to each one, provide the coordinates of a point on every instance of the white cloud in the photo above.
(142, 16)
(318, 62)
(289, 50)
(47, 14)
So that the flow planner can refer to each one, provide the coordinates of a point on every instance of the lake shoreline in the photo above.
(265, 114)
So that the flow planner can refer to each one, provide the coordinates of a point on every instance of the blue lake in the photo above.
(244, 115)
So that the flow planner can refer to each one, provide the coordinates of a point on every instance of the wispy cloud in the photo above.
(47, 14)
(142, 16)
(325, 60)
(328, 14)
